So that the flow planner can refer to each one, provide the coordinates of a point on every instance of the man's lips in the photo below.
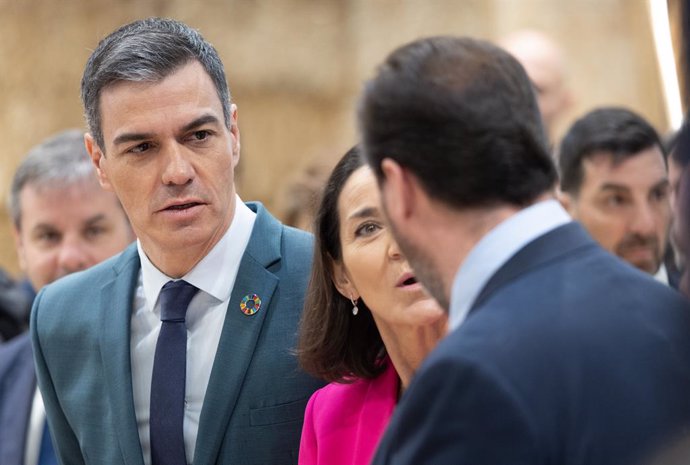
(181, 205)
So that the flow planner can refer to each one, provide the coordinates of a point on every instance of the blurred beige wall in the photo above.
(295, 66)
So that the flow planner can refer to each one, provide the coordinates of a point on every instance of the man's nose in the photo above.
(644, 221)
(73, 256)
(178, 170)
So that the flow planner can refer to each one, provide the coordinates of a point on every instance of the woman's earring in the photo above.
(355, 310)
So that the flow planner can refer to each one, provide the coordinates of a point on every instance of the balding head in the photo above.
(545, 64)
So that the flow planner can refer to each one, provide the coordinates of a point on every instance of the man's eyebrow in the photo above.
(131, 137)
(200, 121)
(614, 187)
(44, 226)
(662, 183)
(95, 219)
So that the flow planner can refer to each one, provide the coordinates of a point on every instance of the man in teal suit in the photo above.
(130, 373)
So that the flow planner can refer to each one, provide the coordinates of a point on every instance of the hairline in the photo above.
(616, 158)
(48, 182)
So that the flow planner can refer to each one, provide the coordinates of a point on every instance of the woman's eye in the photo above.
(367, 229)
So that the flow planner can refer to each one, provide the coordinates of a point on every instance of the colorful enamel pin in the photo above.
(251, 303)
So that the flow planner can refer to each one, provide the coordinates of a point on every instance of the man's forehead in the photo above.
(176, 99)
(56, 187)
(646, 166)
(604, 159)
(82, 194)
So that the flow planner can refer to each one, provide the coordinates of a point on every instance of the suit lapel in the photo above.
(240, 335)
(117, 297)
(558, 242)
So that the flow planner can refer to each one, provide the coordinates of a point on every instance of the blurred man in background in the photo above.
(63, 222)
(614, 180)
(680, 196)
(15, 303)
(546, 67)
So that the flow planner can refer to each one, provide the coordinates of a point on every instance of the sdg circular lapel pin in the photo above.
(251, 303)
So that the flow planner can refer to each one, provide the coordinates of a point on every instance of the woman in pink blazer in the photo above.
(367, 322)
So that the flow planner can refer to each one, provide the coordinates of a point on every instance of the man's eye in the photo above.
(94, 232)
(660, 195)
(48, 237)
(140, 148)
(615, 200)
(201, 135)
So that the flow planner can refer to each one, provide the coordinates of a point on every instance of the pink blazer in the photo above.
(343, 423)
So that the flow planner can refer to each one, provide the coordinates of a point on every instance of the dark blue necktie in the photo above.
(168, 380)
(47, 453)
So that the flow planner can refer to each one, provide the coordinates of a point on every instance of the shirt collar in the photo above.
(212, 273)
(496, 248)
(662, 275)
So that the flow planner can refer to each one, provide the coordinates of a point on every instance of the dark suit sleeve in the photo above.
(65, 442)
(458, 413)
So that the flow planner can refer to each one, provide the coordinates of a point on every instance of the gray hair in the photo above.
(59, 161)
(147, 50)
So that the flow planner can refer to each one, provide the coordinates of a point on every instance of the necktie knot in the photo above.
(175, 297)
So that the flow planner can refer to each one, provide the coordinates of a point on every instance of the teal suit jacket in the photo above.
(254, 405)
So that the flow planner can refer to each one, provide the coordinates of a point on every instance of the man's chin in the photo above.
(648, 266)
(647, 259)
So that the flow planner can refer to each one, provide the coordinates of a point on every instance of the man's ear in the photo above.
(398, 191)
(342, 281)
(19, 247)
(567, 201)
(235, 133)
(98, 159)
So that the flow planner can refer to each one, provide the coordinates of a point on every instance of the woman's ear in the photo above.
(342, 281)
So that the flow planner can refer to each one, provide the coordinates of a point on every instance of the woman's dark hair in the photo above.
(334, 344)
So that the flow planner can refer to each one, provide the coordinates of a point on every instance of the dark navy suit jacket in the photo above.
(17, 386)
(569, 356)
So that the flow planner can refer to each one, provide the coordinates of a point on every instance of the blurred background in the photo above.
(295, 67)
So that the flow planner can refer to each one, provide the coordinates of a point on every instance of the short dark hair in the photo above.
(461, 115)
(147, 50)
(618, 131)
(335, 345)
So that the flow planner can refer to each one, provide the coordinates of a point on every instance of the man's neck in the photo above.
(461, 231)
(176, 262)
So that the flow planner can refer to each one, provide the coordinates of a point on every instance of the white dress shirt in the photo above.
(496, 248)
(34, 436)
(662, 275)
(215, 277)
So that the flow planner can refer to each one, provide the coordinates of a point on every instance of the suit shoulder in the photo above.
(91, 278)
(297, 248)
(16, 351)
(296, 238)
